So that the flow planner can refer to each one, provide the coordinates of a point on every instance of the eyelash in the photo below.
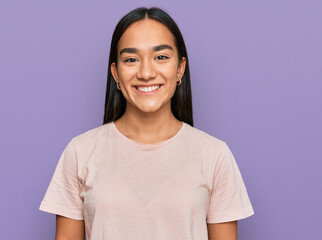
(127, 60)
(163, 58)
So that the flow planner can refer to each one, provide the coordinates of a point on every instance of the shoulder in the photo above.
(91, 142)
(206, 148)
(201, 138)
(91, 137)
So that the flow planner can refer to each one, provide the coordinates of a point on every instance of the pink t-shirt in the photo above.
(169, 190)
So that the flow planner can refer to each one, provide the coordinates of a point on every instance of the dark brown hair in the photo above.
(181, 102)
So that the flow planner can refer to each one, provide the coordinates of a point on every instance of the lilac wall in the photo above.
(256, 75)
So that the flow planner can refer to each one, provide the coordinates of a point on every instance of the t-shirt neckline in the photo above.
(148, 146)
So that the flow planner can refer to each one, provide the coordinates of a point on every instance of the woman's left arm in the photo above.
(222, 231)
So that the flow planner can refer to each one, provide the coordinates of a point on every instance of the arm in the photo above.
(222, 231)
(69, 229)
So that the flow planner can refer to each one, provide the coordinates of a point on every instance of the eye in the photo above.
(161, 57)
(130, 60)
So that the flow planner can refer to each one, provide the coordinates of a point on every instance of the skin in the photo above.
(222, 231)
(69, 229)
(148, 118)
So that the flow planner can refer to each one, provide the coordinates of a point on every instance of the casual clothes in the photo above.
(169, 190)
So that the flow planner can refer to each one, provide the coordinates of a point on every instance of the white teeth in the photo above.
(147, 89)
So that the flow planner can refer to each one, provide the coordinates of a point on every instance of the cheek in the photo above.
(169, 71)
(126, 73)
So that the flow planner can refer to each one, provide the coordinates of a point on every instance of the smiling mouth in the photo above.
(150, 89)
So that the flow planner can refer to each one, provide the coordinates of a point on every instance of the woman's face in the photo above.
(148, 59)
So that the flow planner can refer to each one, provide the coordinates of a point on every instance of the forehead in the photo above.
(145, 34)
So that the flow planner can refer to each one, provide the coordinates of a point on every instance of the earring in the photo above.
(179, 82)
(118, 86)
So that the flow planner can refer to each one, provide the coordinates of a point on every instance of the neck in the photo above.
(148, 127)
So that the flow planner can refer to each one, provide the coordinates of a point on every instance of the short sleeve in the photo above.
(63, 193)
(229, 200)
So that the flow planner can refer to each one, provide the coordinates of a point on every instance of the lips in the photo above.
(147, 89)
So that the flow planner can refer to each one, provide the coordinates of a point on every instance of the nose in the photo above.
(146, 70)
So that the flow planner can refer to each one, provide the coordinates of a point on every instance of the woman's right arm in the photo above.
(69, 229)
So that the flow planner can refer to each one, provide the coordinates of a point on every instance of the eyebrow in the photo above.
(156, 48)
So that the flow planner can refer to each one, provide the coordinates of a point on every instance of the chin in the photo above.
(149, 109)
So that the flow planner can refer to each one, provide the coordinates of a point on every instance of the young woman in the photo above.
(147, 173)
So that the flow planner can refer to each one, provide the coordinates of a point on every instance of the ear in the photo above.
(114, 72)
(182, 67)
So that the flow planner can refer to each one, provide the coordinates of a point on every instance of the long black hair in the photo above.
(181, 102)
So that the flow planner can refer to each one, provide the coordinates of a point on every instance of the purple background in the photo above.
(256, 71)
